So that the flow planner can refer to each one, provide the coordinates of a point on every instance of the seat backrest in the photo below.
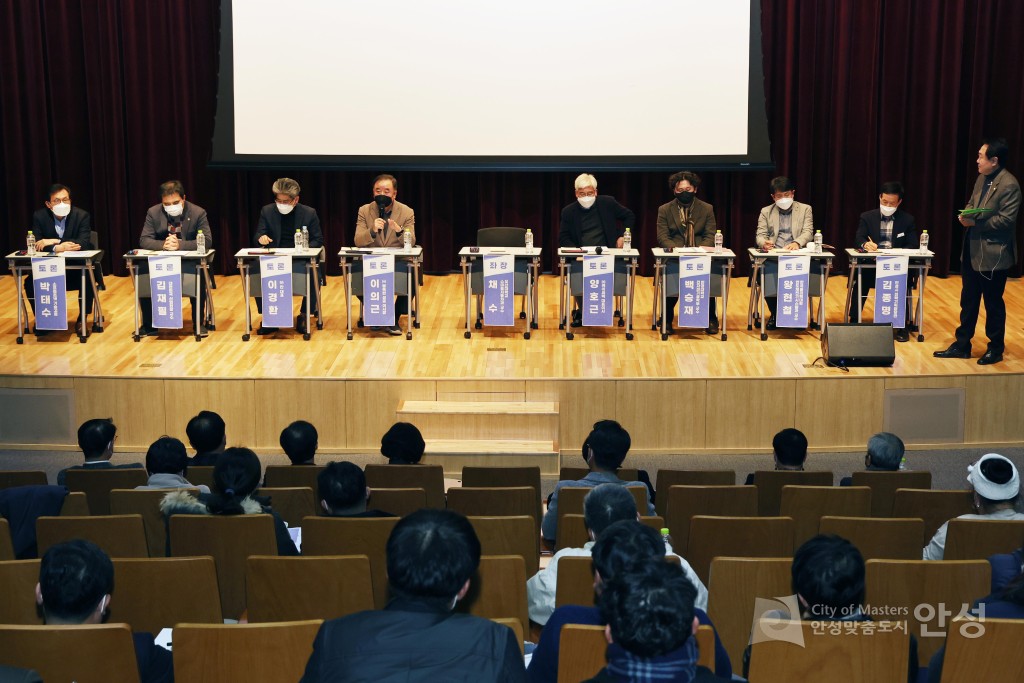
(12, 478)
(570, 500)
(923, 592)
(509, 501)
(201, 475)
(218, 653)
(18, 579)
(353, 536)
(808, 504)
(572, 530)
(498, 590)
(230, 541)
(399, 502)
(666, 479)
(935, 507)
(978, 539)
(712, 537)
(517, 628)
(479, 477)
(580, 652)
(76, 504)
(859, 652)
(157, 593)
(97, 484)
(145, 502)
(293, 503)
(509, 536)
(970, 658)
(501, 237)
(769, 485)
(883, 486)
(878, 538)
(290, 476)
(430, 478)
(6, 546)
(683, 503)
(575, 582)
(298, 588)
(118, 535)
(86, 654)
(570, 473)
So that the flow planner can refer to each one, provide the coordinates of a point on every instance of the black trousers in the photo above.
(867, 282)
(977, 286)
(73, 282)
(670, 309)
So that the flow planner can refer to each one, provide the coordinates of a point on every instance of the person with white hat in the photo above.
(996, 485)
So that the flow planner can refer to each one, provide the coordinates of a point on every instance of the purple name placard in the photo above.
(165, 290)
(276, 284)
(598, 290)
(499, 300)
(794, 277)
(694, 291)
(891, 290)
(49, 287)
(379, 290)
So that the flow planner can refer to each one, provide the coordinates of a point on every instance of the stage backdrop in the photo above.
(113, 97)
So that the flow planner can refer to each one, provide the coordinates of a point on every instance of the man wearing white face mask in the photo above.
(784, 224)
(276, 229)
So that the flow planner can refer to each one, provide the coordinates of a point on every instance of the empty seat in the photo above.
(877, 538)
(400, 502)
(769, 485)
(85, 654)
(480, 477)
(146, 503)
(992, 657)
(883, 486)
(666, 479)
(977, 539)
(75, 505)
(157, 593)
(330, 587)
(712, 537)
(806, 505)
(509, 536)
(495, 502)
(935, 507)
(293, 504)
(353, 536)
(291, 476)
(200, 475)
(430, 478)
(97, 484)
(683, 503)
(118, 535)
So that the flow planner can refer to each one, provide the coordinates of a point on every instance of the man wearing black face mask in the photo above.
(686, 222)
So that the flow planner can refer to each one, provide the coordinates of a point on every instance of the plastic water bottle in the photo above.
(924, 241)
(718, 241)
(30, 246)
(627, 240)
(200, 243)
(817, 241)
(298, 238)
(529, 238)
(666, 537)
(407, 240)
(305, 237)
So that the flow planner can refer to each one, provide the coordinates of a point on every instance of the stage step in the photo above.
(486, 421)
(456, 454)
(478, 408)
(490, 447)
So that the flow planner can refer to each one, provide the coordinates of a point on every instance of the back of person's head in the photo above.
(649, 608)
(828, 573)
(166, 455)
(885, 450)
(790, 446)
(402, 444)
(341, 486)
(431, 554)
(205, 431)
(994, 479)
(608, 443)
(96, 437)
(606, 504)
(624, 544)
(235, 476)
(74, 577)
(299, 441)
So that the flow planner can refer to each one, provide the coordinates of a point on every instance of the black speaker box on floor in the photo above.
(863, 344)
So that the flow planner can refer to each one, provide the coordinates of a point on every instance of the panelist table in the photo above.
(351, 262)
(570, 275)
(759, 259)
(861, 260)
(530, 260)
(85, 262)
(197, 276)
(305, 271)
(662, 265)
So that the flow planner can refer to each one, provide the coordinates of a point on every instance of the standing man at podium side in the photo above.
(686, 222)
(382, 223)
(783, 224)
(592, 221)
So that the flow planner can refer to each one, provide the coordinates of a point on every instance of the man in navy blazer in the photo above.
(276, 230)
(887, 227)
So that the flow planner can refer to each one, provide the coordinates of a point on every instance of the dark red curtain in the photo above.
(113, 97)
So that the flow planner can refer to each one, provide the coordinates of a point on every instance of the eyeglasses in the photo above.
(66, 200)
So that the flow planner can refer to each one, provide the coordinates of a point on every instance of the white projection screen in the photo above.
(475, 84)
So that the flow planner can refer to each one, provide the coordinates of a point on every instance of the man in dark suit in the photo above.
(58, 228)
(96, 439)
(990, 249)
(172, 225)
(886, 227)
(276, 229)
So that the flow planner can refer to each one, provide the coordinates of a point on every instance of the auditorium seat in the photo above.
(18, 579)
(993, 657)
(806, 505)
(769, 485)
(293, 503)
(399, 502)
(85, 654)
(200, 475)
(75, 505)
(118, 535)
(509, 536)
(712, 537)
(6, 547)
(935, 507)
(430, 478)
(157, 593)
(498, 589)
(495, 502)
(352, 536)
(97, 484)
(145, 502)
(570, 501)
(239, 653)
(570, 473)
(13, 478)
(330, 587)
(666, 479)
(572, 530)
(877, 538)
(482, 476)
(978, 539)
(517, 628)
(683, 503)
(883, 486)
(575, 582)
(581, 651)
(291, 476)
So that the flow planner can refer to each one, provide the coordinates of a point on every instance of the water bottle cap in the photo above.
(664, 531)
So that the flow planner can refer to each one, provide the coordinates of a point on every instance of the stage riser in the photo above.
(453, 464)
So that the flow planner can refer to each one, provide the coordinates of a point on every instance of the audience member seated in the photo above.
(996, 486)
(166, 461)
(235, 477)
(342, 489)
(299, 441)
(885, 454)
(651, 627)
(206, 435)
(828, 583)
(606, 449)
(789, 450)
(623, 546)
(605, 505)
(431, 556)
(402, 444)
(76, 580)
(96, 439)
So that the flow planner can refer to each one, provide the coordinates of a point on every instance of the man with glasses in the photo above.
(783, 224)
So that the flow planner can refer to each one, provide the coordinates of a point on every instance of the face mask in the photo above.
(684, 197)
(383, 201)
(586, 202)
(887, 210)
(785, 203)
(61, 210)
(285, 209)
(175, 209)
